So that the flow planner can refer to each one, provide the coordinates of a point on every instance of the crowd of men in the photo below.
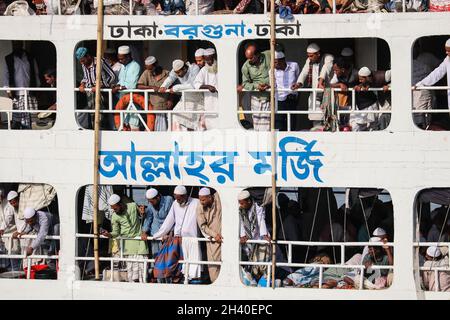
(120, 72)
(320, 72)
(285, 8)
(17, 221)
(174, 225)
(21, 70)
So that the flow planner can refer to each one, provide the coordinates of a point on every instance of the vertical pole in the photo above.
(96, 132)
(274, 137)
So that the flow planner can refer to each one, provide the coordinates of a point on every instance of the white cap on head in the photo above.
(150, 60)
(204, 192)
(447, 43)
(387, 76)
(123, 50)
(313, 48)
(200, 52)
(347, 52)
(243, 195)
(151, 193)
(379, 232)
(364, 72)
(180, 190)
(12, 195)
(375, 239)
(434, 251)
(177, 64)
(279, 55)
(29, 213)
(113, 199)
(209, 52)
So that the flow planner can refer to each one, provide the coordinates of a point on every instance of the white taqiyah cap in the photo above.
(177, 64)
(243, 195)
(12, 195)
(447, 43)
(375, 239)
(347, 52)
(200, 52)
(113, 199)
(151, 193)
(180, 190)
(279, 55)
(209, 52)
(379, 232)
(313, 48)
(29, 213)
(204, 192)
(123, 50)
(434, 251)
(387, 76)
(150, 60)
(364, 72)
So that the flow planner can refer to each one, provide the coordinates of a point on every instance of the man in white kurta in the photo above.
(316, 73)
(438, 73)
(207, 79)
(185, 74)
(7, 228)
(182, 218)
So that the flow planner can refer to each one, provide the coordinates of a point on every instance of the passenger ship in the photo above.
(403, 160)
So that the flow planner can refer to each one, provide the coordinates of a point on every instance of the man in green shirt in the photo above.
(255, 76)
(126, 224)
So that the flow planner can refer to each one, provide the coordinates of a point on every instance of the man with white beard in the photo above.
(207, 79)
(182, 218)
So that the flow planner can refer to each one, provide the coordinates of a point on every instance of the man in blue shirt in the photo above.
(155, 215)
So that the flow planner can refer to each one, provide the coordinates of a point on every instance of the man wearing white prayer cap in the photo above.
(435, 259)
(209, 220)
(12, 195)
(316, 73)
(182, 219)
(126, 223)
(365, 100)
(199, 57)
(438, 73)
(40, 223)
(185, 73)
(7, 227)
(380, 256)
(252, 219)
(129, 74)
(155, 214)
(286, 75)
(207, 79)
(152, 79)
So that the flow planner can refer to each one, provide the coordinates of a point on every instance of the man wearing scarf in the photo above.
(207, 79)
(253, 227)
(182, 218)
(209, 219)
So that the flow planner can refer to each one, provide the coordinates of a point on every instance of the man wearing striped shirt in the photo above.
(88, 64)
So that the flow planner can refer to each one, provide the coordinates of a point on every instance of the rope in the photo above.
(331, 226)
(314, 221)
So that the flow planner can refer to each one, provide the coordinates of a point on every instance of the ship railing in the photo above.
(435, 269)
(146, 93)
(24, 256)
(148, 261)
(315, 110)
(265, 7)
(23, 91)
(321, 267)
(433, 88)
